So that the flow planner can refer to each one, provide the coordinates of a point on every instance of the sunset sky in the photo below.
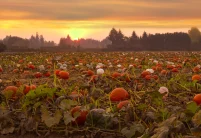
(95, 18)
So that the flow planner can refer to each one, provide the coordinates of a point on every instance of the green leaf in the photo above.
(8, 94)
(129, 133)
(164, 113)
(57, 117)
(197, 118)
(36, 105)
(68, 118)
(142, 106)
(50, 120)
(192, 107)
(76, 114)
(41, 91)
(163, 129)
(156, 98)
(138, 127)
(31, 95)
(66, 104)
(19, 91)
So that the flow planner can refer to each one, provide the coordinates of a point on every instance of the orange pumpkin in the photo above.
(15, 70)
(197, 99)
(94, 78)
(148, 77)
(164, 72)
(196, 69)
(27, 88)
(13, 89)
(63, 75)
(30, 66)
(57, 72)
(122, 104)
(175, 70)
(119, 94)
(155, 77)
(90, 73)
(196, 77)
(145, 73)
(38, 75)
(116, 75)
(47, 74)
(80, 120)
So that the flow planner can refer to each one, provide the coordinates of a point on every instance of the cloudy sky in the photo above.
(95, 18)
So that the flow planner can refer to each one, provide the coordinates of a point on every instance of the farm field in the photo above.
(100, 95)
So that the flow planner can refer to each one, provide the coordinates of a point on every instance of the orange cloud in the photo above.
(76, 10)
(86, 18)
(94, 24)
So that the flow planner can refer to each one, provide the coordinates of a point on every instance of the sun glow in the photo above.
(75, 38)
(75, 34)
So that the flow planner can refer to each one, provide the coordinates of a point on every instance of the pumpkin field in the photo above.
(100, 95)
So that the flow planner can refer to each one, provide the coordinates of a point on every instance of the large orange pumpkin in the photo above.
(80, 120)
(119, 94)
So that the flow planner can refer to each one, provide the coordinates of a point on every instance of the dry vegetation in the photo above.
(143, 94)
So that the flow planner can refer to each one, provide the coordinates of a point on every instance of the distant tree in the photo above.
(118, 40)
(144, 41)
(14, 42)
(133, 40)
(134, 36)
(36, 41)
(49, 44)
(120, 37)
(177, 41)
(195, 35)
(156, 42)
(62, 42)
(144, 35)
(78, 48)
(66, 42)
(42, 41)
(113, 35)
(150, 42)
(88, 43)
(105, 42)
(2, 47)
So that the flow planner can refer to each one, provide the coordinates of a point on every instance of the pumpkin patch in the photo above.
(117, 94)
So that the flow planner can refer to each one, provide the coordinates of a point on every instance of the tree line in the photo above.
(177, 41)
(84, 43)
(14, 43)
(116, 41)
